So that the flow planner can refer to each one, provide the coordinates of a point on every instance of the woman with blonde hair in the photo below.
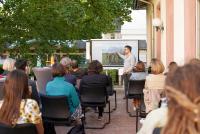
(154, 85)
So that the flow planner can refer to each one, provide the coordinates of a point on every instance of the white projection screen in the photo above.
(106, 51)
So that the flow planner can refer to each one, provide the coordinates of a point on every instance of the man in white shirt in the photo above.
(129, 63)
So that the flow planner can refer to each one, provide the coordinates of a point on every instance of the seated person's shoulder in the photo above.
(30, 101)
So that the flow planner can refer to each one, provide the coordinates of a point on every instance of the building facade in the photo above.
(136, 29)
(178, 37)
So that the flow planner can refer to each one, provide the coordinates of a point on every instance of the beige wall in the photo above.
(180, 40)
(150, 38)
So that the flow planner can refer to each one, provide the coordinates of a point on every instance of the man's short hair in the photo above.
(128, 47)
(58, 70)
(21, 64)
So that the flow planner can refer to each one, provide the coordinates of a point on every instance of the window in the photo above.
(112, 36)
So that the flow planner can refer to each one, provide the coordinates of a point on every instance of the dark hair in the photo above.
(140, 67)
(21, 64)
(95, 66)
(172, 66)
(15, 89)
(128, 47)
(58, 70)
(74, 64)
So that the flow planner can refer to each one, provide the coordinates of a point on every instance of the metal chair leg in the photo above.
(109, 119)
(137, 120)
(109, 115)
(115, 100)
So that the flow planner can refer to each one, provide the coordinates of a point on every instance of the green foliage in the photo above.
(113, 73)
(61, 20)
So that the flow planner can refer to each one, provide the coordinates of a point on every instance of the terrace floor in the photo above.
(120, 123)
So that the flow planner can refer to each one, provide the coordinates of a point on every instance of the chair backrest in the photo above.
(43, 76)
(136, 86)
(1, 89)
(110, 86)
(93, 92)
(55, 107)
(18, 129)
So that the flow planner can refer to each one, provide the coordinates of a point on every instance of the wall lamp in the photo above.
(157, 23)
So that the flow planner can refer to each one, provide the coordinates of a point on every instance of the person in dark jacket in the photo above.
(94, 77)
(21, 64)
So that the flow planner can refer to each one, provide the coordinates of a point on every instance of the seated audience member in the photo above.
(66, 62)
(16, 107)
(172, 66)
(138, 74)
(76, 71)
(21, 64)
(183, 92)
(154, 85)
(58, 86)
(94, 77)
(182, 115)
(8, 66)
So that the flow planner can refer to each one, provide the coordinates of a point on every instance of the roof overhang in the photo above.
(138, 5)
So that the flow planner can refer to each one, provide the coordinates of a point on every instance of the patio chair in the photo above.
(43, 76)
(135, 91)
(18, 129)
(111, 92)
(95, 95)
(55, 110)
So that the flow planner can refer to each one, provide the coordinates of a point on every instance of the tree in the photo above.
(47, 20)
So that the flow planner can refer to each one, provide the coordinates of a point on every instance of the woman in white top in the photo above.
(154, 85)
(16, 107)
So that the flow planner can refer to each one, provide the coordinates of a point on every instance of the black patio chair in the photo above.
(18, 129)
(94, 95)
(111, 92)
(135, 91)
(140, 113)
(55, 110)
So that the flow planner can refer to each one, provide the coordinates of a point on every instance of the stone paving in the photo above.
(120, 123)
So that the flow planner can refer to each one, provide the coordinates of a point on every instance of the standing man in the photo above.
(129, 63)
